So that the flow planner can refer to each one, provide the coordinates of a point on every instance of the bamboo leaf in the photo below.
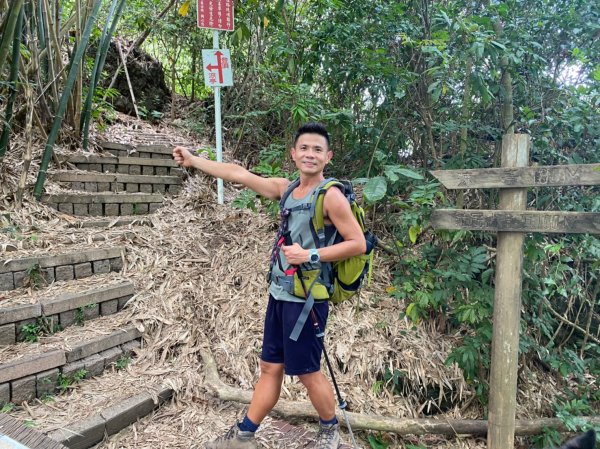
(185, 8)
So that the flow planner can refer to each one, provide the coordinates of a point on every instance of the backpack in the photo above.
(336, 281)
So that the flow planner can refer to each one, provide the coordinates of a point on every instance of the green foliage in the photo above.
(7, 408)
(123, 362)
(66, 382)
(377, 442)
(35, 276)
(31, 332)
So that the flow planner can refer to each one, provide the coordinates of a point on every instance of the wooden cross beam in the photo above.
(511, 223)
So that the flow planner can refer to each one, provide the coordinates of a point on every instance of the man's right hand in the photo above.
(183, 156)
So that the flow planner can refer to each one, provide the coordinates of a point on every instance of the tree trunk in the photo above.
(400, 426)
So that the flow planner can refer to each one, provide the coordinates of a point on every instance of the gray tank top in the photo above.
(299, 227)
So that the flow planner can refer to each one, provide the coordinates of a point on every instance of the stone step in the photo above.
(54, 363)
(25, 318)
(124, 165)
(148, 151)
(104, 204)
(37, 270)
(108, 182)
(96, 408)
(112, 222)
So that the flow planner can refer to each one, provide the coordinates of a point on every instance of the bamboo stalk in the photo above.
(98, 67)
(75, 63)
(128, 80)
(27, 155)
(14, 75)
(9, 29)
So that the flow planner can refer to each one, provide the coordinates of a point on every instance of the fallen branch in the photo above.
(400, 426)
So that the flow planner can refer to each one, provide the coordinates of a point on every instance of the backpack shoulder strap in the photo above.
(295, 183)
(317, 209)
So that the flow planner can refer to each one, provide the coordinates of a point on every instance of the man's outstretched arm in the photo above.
(271, 188)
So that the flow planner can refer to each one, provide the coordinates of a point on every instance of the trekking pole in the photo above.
(321, 337)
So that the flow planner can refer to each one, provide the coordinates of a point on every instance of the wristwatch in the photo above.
(314, 256)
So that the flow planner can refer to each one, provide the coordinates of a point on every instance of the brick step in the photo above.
(37, 270)
(30, 370)
(157, 151)
(104, 204)
(27, 317)
(95, 408)
(112, 222)
(124, 165)
(108, 182)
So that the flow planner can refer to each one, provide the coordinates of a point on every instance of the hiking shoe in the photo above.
(328, 437)
(234, 439)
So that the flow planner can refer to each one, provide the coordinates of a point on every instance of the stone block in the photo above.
(130, 348)
(66, 208)
(23, 390)
(126, 209)
(67, 318)
(46, 382)
(20, 312)
(110, 168)
(102, 266)
(94, 365)
(111, 210)
(77, 185)
(70, 369)
(123, 300)
(127, 412)
(174, 189)
(146, 188)
(135, 169)
(8, 335)
(161, 171)
(83, 166)
(7, 282)
(142, 208)
(83, 270)
(91, 311)
(109, 307)
(99, 344)
(4, 393)
(119, 187)
(104, 187)
(123, 169)
(91, 187)
(159, 188)
(49, 275)
(147, 170)
(80, 209)
(81, 434)
(95, 167)
(21, 278)
(32, 364)
(65, 273)
(111, 356)
(116, 264)
(154, 207)
(96, 210)
(132, 187)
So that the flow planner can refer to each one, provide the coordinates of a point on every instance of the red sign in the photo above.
(215, 14)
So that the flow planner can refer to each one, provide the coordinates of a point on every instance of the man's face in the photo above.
(311, 153)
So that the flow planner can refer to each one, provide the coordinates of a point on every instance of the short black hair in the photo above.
(312, 128)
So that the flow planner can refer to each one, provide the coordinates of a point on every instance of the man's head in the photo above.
(311, 151)
(312, 128)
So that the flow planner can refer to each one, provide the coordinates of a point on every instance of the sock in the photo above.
(248, 426)
(328, 423)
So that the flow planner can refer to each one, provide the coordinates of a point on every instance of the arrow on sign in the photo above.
(217, 67)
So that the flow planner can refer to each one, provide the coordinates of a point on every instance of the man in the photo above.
(311, 153)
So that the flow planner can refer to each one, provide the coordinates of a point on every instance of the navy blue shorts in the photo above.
(298, 357)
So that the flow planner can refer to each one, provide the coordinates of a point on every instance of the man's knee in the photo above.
(311, 380)
(271, 369)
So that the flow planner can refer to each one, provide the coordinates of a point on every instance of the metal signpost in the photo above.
(511, 223)
(217, 15)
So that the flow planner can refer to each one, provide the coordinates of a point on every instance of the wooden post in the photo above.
(507, 306)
